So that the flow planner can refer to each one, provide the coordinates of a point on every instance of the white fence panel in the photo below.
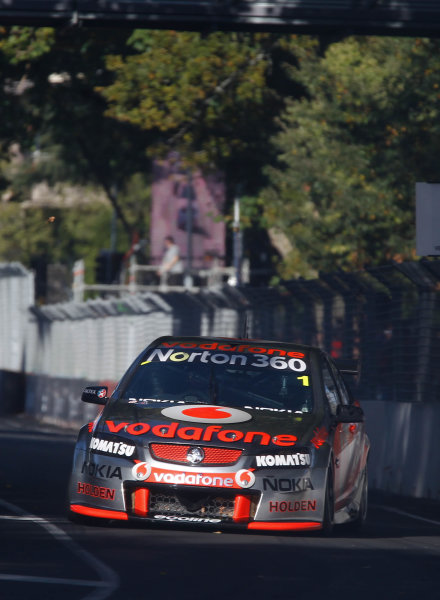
(16, 297)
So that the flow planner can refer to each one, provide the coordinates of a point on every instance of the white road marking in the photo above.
(407, 514)
(56, 580)
(109, 580)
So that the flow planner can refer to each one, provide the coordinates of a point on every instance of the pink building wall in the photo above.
(170, 192)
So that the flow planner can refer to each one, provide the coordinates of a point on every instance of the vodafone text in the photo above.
(241, 479)
(233, 348)
(205, 434)
(193, 479)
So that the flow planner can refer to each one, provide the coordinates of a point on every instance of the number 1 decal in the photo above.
(305, 380)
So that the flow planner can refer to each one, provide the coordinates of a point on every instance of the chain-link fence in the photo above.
(388, 317)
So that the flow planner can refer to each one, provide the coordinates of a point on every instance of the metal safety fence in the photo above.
(387, 317)
(16, 296)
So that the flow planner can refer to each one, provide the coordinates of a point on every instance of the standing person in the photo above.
(171, 267)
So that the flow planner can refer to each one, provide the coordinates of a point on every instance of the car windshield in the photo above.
(268, 378)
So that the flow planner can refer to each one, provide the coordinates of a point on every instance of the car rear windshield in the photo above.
(223, 374)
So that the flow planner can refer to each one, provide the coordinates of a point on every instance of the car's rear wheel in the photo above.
(329, 506)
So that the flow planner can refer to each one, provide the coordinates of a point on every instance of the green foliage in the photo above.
(57, 122)
(57, 235)
(19, 44)
(135, 197)
(203, 95)
(178, 77)
(351, 150)
(323, 144)
(88, 226)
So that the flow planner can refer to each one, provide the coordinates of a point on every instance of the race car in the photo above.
(225, 432)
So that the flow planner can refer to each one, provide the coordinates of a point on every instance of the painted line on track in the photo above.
(397, 511)
(109, 580)
(55, 580)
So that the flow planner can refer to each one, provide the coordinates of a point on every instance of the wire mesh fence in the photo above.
(387, 317)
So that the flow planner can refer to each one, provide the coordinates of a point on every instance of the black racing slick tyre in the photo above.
(329, 506)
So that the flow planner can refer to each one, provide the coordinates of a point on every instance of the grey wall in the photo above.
(405, 453)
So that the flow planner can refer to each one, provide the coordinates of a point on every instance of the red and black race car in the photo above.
(211, 431)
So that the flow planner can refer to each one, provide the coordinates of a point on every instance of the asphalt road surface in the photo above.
(45, 556)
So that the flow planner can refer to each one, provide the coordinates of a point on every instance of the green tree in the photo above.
(211, 97)
(56, 119)
(16, 44)
(351, 150)
(34, 235)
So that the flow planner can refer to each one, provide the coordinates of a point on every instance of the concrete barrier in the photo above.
(405, 453)
(57, 400)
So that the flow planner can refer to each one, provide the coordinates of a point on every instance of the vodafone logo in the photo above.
(191, 432)
(141, 471)
(244, 478)
(206, 413)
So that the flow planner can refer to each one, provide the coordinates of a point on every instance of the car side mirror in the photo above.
(349, 413)
(95, 394)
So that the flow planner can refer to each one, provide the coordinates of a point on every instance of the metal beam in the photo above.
(383, 17)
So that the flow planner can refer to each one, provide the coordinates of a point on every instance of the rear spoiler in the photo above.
(348, 366)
